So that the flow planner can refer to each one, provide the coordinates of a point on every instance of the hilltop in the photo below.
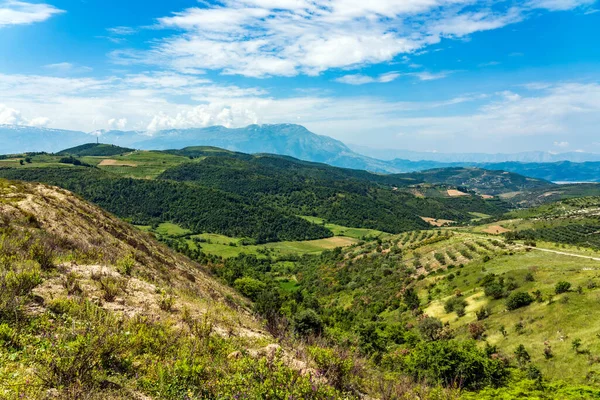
(95, 149)
(298, 142)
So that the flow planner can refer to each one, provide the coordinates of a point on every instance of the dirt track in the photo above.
(564, 253)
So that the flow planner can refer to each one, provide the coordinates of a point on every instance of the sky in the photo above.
(427, 75)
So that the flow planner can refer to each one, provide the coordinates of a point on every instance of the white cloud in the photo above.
(11, 116)
(117, 123)
(260, 38)
(21, 13)
(153, 101)
(559, 5)
(67, 68)
(359, 79)
(561, 144)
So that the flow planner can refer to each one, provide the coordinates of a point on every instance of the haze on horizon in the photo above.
(425, 75)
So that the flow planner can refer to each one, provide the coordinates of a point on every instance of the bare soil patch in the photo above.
(495, 230)
(486, 196)
(339, 241)
(456, 193)
(116, 163)
(437, 222)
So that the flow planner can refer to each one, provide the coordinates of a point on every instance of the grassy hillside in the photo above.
(92, 308)
(95, 149)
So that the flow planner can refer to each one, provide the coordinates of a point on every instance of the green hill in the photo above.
(95, 149)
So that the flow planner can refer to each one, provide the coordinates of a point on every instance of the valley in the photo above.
(331, 282)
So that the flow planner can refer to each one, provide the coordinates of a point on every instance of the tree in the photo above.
(249, 287)
(452, 363)
(430, 328)
(562, 287)
(308, 322)
(518, 300)
(411, 299)
(522, 355)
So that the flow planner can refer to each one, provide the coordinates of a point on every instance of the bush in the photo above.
(518, 300)
(125, 265)
(482, 313)
(308, 322)
(454, 304)
(562, 287)
(112, 286)
(476, 330)
(166, 303)
(335, 366)
(494, 290)
(249, 287)
(43, 254)
(455, 363)
(430, 328)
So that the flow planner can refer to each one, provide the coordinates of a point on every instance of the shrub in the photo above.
(430, 328)
(518, 299)
(336, 366)
(455, 363)
(71, 283)
(494, 290)
(522, 355)
(454, 304)
(125, 265)
(562, 287)
(249, 287)
(111, 286)
(308, 322)
(529, 277)
(43, 254)
(166, 303)
(476, 330)
(482, 313)
(7, 335)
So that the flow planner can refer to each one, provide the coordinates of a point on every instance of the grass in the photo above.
(339, 230)
(148, 164)
(220, 246)
(225, 246)
(556, 323)
(170, 229)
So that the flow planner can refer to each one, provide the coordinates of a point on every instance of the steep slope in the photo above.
(92, 308)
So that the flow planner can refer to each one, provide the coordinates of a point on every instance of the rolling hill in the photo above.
(298, 142)
(95, 149)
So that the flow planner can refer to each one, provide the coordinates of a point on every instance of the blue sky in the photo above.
(428, 75)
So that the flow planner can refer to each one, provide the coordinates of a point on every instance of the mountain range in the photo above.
(297, 141)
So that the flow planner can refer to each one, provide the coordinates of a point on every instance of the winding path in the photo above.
(563, 253)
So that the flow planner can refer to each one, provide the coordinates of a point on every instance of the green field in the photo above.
(338, 230)
(142, 164)
(556, 321)
(225, 246)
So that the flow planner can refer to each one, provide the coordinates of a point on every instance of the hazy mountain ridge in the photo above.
(298, 142)
(396, 155)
